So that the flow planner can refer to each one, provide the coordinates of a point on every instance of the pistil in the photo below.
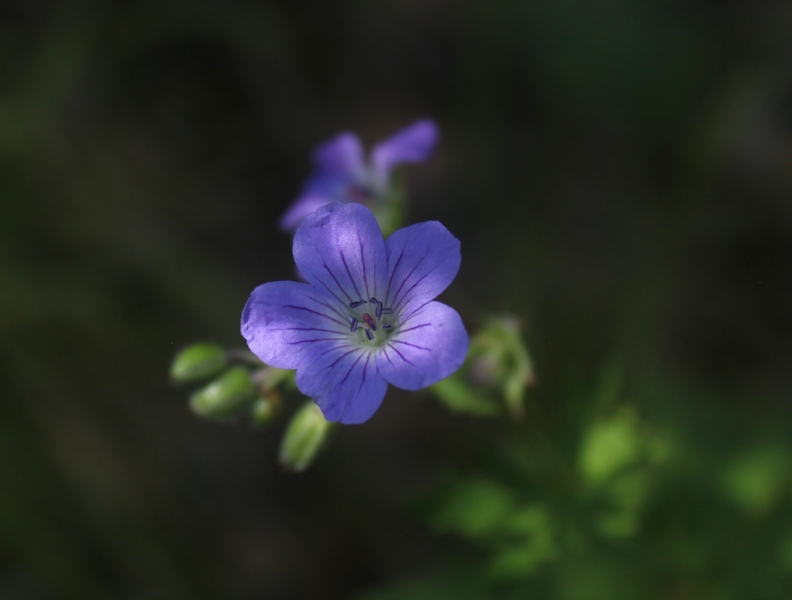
(372, 323)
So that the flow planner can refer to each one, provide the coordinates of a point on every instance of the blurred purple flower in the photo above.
(367, 316)
(343, 175)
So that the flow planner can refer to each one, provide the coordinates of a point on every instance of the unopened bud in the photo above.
(304, 436)
(196, 362)
(265, 408)
(497, 369)
(227, 394)
(499, 358)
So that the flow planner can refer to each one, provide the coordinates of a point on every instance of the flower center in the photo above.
(375, 328)
(360, 194)
(368, 193)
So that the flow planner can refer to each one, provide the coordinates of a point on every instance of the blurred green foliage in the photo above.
(629, 510)
(618, 174)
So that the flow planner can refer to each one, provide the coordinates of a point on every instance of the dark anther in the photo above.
(368, 335)
(353, 324)
(356, 304)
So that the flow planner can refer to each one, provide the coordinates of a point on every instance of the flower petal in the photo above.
(414, 143)
(287, 323)
(342, 155)
(428, 347)
(344, 383)
(339, 249)
(423, 260)
(304, 205)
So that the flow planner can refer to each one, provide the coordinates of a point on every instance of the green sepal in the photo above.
(389, 210)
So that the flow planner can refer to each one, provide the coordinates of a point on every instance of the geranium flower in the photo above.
(343, 175)
(367, 316)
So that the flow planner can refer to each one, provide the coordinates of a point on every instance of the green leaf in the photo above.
(754, 480)
(463, 583)
(535, 543)
(609, 446)
(473, 508)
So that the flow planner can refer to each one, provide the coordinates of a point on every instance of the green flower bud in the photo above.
(229, 393)
(304, 437)
(199, 361)
(498, 369)
(265, 408)
(269, 378)
(500, 358)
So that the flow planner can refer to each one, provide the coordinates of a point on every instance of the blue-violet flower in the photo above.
(343, 175)
(367, 316)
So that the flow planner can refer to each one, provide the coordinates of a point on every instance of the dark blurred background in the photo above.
(619, 173)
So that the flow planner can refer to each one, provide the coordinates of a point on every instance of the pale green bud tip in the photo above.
(303, 438)
(199, 361)
(264, 410)
(227, 394)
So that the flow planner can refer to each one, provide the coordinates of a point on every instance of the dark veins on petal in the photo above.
(406, 318)
(414, 327)
(408, 344)
(331, 307)
(324, 264)
(405, 300)
(317, 340)
(357, 360)
(349, 274)
(397, 303)
(363, 259)
(316, 312)
(392, 275)
(344, 355)
(396, 350)
(404, 358)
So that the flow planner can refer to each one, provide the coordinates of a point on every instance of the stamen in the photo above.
(356, 304)
(370, 321)
(353, 323)
(386, 326)
(379, 309)
(386, 311)
(368, 335)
